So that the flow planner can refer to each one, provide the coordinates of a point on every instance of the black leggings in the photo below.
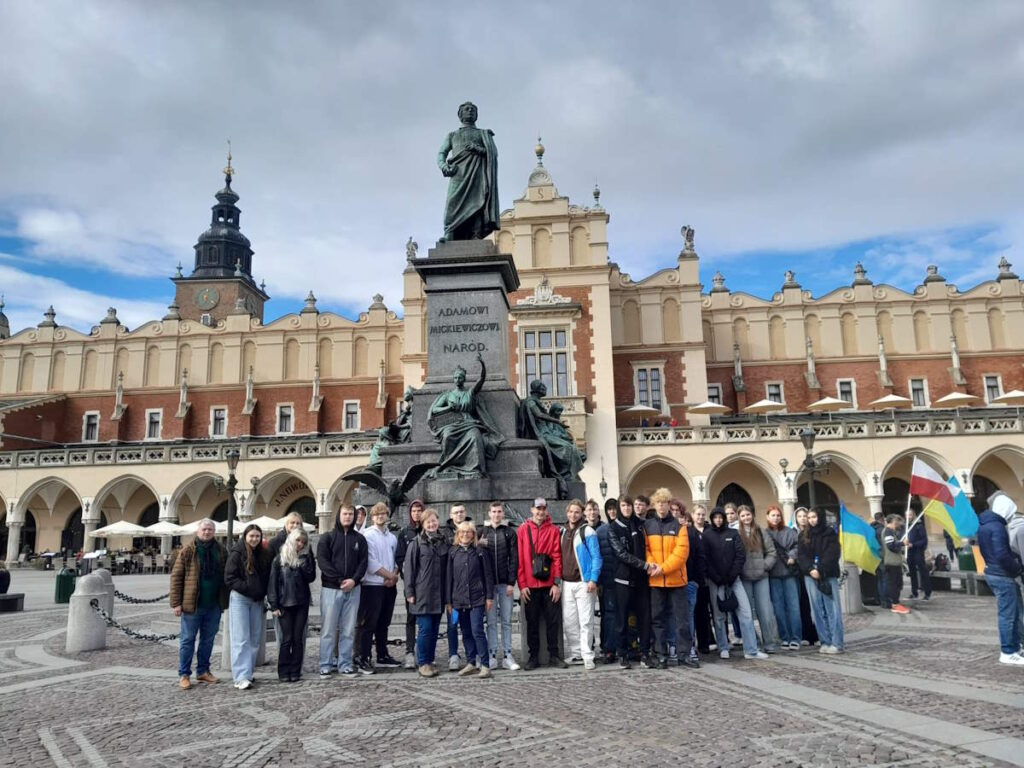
(292, 643)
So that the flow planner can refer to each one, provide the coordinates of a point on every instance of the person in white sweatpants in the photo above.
(581, 566)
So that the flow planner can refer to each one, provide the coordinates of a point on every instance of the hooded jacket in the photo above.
(918, 536)
(629, 543)
(252, 585)
(726, 554)
(499, 542)
(545, 540)
(821, 544)
(761, 560)
(785, 541)
(668, 545)
(609, 563)
(994, 538)
(275, 544)
(425, 574)
(341, 555)
(406, 537)
(469, 581)
(697, 560)
(587, 550)
(289, 587)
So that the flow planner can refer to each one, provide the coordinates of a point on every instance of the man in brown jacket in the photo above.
(198, 596)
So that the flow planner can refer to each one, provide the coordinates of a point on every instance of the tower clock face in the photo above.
(207, 298)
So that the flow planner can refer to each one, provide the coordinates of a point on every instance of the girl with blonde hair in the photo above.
(293, 570)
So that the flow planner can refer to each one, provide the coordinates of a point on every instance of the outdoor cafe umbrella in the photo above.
(266, 523)
(956, 400)
(765, 406)
(708, 409)
(642, 411)
(309, 527)
(1014, 398)
(120, 528)
(165, 528)
(891, 401)
(829, 404)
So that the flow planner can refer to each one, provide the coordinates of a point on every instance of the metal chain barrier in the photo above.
(314, 629)
(139, 600)
(128, 630)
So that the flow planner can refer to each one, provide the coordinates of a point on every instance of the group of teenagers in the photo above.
(646, 581)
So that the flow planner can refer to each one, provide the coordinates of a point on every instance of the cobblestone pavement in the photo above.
(919, 690)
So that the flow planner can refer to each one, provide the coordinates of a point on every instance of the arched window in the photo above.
(215, 371)
(291, 360)
(325, 356)
(89, 367)
(28, 372)
(741, 336)
(578, 245)
(812, 331)
(152, 374)
(848, 326)
(671, 322)
(922, 332)
(824, 497)
(57, 372)
(958, 321)
(184, 362)
(885, 330)
(394, 355)
(995, 328)
(631, 331)
(541, 248)
(248, 359)
(360, 355)
(506, 241)
(776, 338)
(736, 494)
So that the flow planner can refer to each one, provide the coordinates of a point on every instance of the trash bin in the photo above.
(965, 559)
(65, 586)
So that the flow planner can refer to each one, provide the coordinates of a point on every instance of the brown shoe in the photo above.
(426, 671)
(469, 669)
(206, 677)
(485, 672)
(185, 683)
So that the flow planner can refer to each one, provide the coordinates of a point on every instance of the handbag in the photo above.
(540, 565)
(824, 587)
(728, 602)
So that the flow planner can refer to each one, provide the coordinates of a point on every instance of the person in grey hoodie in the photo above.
(784, 579)
(760, 560)
(1003, 571)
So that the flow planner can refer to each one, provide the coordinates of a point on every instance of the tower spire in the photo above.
(228, 170)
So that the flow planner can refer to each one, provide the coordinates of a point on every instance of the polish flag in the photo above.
(929, 484)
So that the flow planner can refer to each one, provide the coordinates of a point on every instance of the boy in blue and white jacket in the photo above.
(581, 571)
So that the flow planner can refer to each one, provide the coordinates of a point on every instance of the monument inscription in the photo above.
(461, 325)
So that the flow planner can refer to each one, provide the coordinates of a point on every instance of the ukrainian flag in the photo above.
(957, 518)
(858, 541)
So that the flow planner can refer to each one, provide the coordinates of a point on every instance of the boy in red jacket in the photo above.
(540, 582)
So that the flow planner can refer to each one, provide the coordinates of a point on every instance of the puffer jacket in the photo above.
(545, 541)
(469, 582)
(252, 585)
(668, 545)
(994, 542)
(609, 563)
(726, 554)
(289, 587)
(425, 574)
(759, 560)
(820, 544)
(502, 550)
(629, 543)
(697, 560)
(185, 578)
(785, 541)
(587, 550)
(341, 555)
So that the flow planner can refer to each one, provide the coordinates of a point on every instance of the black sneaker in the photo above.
(624, 663)
(532, 663)
(365, 667)
(689, 661)
(662, 663)
(349, 672)
(388, 661)
(558, 662)
(645, 663)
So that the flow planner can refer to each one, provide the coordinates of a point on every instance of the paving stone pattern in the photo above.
(121, 706)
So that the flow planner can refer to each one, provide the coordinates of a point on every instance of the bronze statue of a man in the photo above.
(469, 158)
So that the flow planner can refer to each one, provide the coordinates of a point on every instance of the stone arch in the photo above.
(275, 494)
(884, 321)
(896, 478)
(506, 241)
(776, 338)
(57, 368)
(43, 507)
(541, 247)
(922, 331)
(123, 490)
(394, 355)
(812, 331)
(27, 372)
(671, 321)
(937, 461)
(848, 327)
(120, 365)
(151, 375)
(752, 472)
(660, 471)
(215, 370)
(89, 367)
(291, 360)
(1004, 466)
(184, 362)
(360, 356)
(741, 336)
(191, 492)
(248, 359)
(325, 357)
(579, 243)
(996, 328)
(341, 490)
(631, 330)
(50, 488)
(958, 324)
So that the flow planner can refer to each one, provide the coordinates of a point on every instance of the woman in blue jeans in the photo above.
(470, 593)
(784, 579)
(246, 575)
(425, 575)
(696, 565)
(818, 557)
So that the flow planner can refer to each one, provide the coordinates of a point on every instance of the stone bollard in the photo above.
(107, 603)
(87, 631)
(852, 602)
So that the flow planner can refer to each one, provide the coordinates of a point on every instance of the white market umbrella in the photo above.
(120, 528)
(955, 400)
(189, 529)
(708, 409)
(829, 404)
(765, 406)
(266, 523)
(642, 411)
(309, 527)
(1014, 398)
(164, 528)
(891, 401)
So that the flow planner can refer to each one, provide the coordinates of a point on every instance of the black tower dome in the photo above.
(222, 249)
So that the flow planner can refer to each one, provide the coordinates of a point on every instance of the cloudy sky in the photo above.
(801, 135)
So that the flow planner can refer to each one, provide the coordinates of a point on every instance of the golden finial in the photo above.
(539, 151)
(229, 171)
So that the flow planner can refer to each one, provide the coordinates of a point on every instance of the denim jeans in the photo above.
(609, 620)
(204, 623)
(427, 626)
(742, 615)
(338, 611)
(1007, 610)
(786, 601)
(827, 612)
(474, 639)
(453, 637)
(759, 595)
(245, 619)
(919, 577)
(501, 610)
(691, 603)
(670, 614)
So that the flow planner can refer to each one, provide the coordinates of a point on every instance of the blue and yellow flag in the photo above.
(858, 541)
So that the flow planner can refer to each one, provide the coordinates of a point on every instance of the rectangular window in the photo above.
(218, 422)
(153, 419)
(847, 391)
(648, 387)
(715, 393)
(773, 391)
(993, 387)
(91, 427)
(919, 392)
(351, 415)
(546, 357)
(284, 419)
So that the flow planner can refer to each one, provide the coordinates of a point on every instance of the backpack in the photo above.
(941, 562)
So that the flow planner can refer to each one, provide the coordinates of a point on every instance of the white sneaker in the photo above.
(830, 649)
(723, 654)
(509, 663)
(492, 661)
(410, 661)
(454, 663)
(1011, 658)
(759, 655)
(246, 684)
(589, 664)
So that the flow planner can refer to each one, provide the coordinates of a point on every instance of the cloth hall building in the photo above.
(134, 424)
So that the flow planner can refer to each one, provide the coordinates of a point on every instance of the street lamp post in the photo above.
(232, 459)
(807, 435)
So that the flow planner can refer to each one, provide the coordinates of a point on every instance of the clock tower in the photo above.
(221, 283)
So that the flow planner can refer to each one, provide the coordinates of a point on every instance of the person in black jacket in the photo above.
(470, 592)
(696, 569)
(246, 575)
(425, 576)
(342, 557)
(818, 557)
(292, 521)
(405, 539)
(456, 515)
(609, 564)
(632, 593)
(725, 557)
(498, 539)
(291, 573)
(917, 557)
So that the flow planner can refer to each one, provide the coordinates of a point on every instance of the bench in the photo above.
(971, 582)
(12, 603)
